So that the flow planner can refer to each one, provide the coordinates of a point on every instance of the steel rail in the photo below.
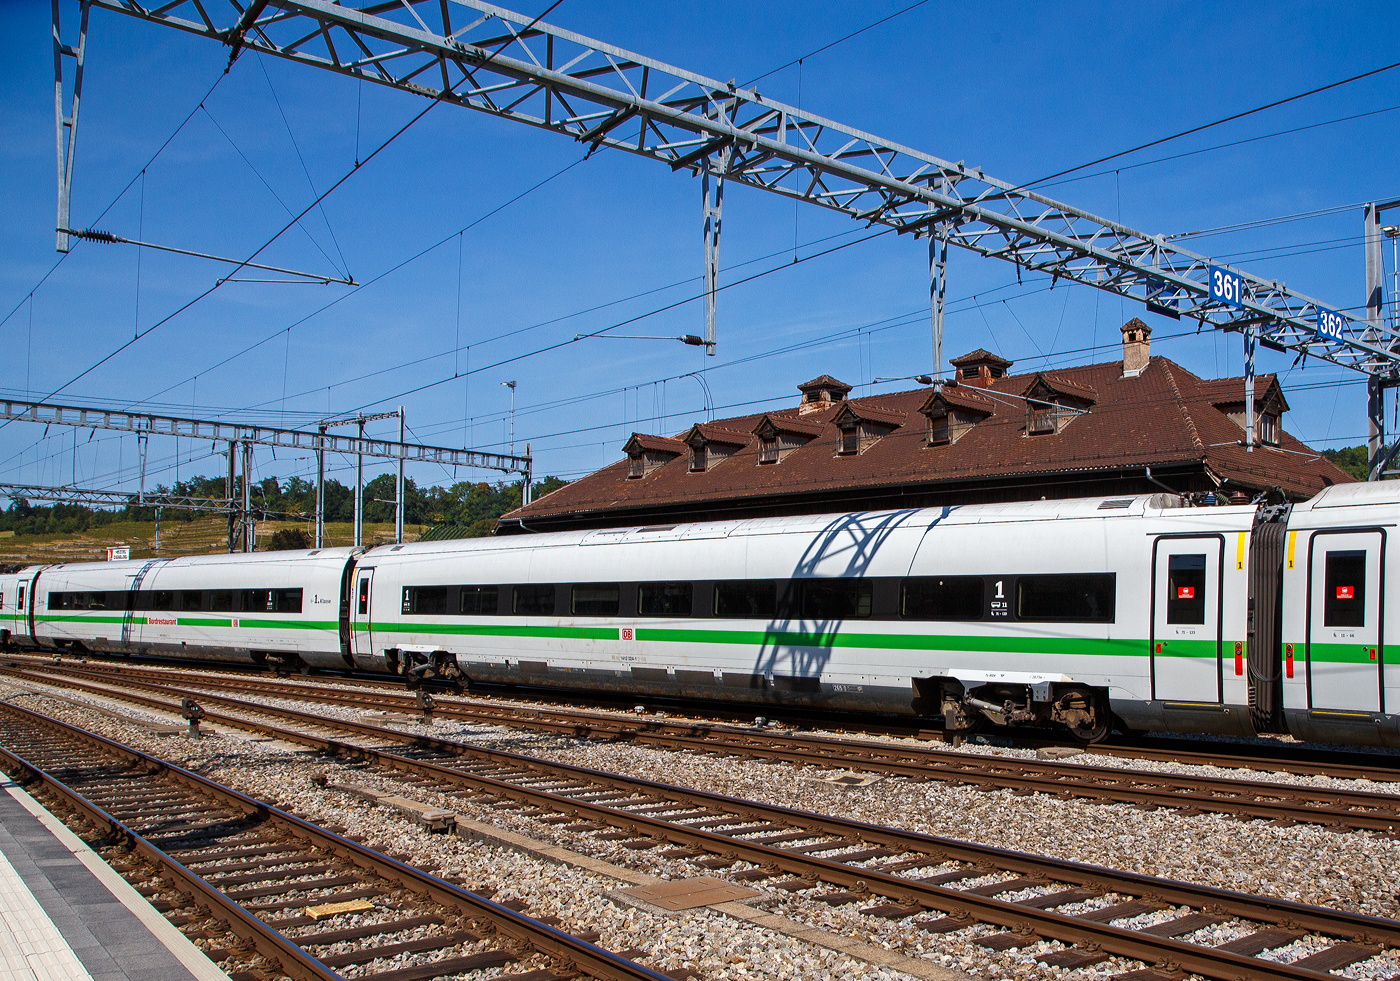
(955, 903)
(1355, 809)
(592, 960)
(1302, 761)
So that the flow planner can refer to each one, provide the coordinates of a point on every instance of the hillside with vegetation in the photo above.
(284, 513)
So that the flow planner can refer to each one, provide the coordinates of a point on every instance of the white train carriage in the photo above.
(1336, 681)
(277, 607)
(1043, 611)
(16, 597)
(1222, 619)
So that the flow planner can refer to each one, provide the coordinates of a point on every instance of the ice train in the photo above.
(1135, 612)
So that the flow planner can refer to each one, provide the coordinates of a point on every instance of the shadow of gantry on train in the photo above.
(796, 650)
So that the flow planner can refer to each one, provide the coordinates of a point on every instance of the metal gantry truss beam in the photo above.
(482, 57)
(258, 434)
(113, 498)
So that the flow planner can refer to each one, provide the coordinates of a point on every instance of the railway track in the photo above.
(1280, 802)
(937, 884)
(1285, 758)
(228, 867)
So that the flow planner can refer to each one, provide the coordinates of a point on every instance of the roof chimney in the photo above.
(1137, 347)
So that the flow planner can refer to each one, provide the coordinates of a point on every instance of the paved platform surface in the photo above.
(66, 915)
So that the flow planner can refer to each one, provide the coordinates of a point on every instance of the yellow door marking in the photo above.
(1292, 541)
(1239, 552)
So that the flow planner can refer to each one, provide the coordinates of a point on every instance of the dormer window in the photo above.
(1043, 419)
(980, 367)
(1268, 429)
(850, 439)
(952, 413)
(1053, 402)
(778, 435)
(823, 388)
(646, 453)
(711, 445)
(862, 427)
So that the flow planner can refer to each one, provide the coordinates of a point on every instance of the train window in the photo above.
(1344, 585)
(221, 600)
(596, 599)
(254, 600)
(364, 597)
(1186, 589)
(19, 605)
(664, 599)
(1085, 598)
(425, 600)
(97, 601)
(746, 599)
(163, 599)
(942, 598)
(56, 601)
(534, 598)
(285, 601)
(477, 601)
(191, 600)
(835, 599)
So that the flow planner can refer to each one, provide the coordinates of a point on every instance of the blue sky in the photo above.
(1020, 90)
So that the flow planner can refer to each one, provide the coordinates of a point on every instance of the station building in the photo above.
(1140, 425)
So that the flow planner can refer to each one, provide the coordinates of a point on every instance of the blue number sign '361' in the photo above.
(1330, 324)
(1226, 286)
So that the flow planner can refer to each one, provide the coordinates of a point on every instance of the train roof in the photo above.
(1093, 507)
(1354, 495)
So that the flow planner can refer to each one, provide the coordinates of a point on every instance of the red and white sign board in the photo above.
(1186, 592)
(1346, 592)
(119, 553)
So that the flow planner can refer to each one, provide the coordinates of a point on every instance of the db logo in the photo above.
(627, 634)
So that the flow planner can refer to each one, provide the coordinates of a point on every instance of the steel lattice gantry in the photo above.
(496, 61)
(223, 431)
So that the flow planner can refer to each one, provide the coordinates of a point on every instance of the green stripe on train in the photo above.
(502, 630)
(245, 623)
(1338, 653)
(1134, 647)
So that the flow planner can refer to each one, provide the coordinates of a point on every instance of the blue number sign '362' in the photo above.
(1330, 324)
(1226, 286)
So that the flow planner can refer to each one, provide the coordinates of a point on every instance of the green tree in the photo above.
(1352, 459)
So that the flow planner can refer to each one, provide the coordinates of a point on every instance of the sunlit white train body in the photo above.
(1135, 612)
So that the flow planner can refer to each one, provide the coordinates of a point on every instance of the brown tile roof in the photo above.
(1230, 391)
(867, 411)
(1165, 415)
(712, 433)
(980, 356)
(961, 397)
(656, 444)
(789, 424)
(824, 381)
(1061, 385)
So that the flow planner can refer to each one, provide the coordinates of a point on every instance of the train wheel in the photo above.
(1085, 715)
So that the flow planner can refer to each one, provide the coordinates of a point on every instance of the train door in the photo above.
(1186, 618)
(1345, 647)
(21, 611)
(360, 624)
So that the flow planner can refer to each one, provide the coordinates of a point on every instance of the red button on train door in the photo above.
(1239, 658)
